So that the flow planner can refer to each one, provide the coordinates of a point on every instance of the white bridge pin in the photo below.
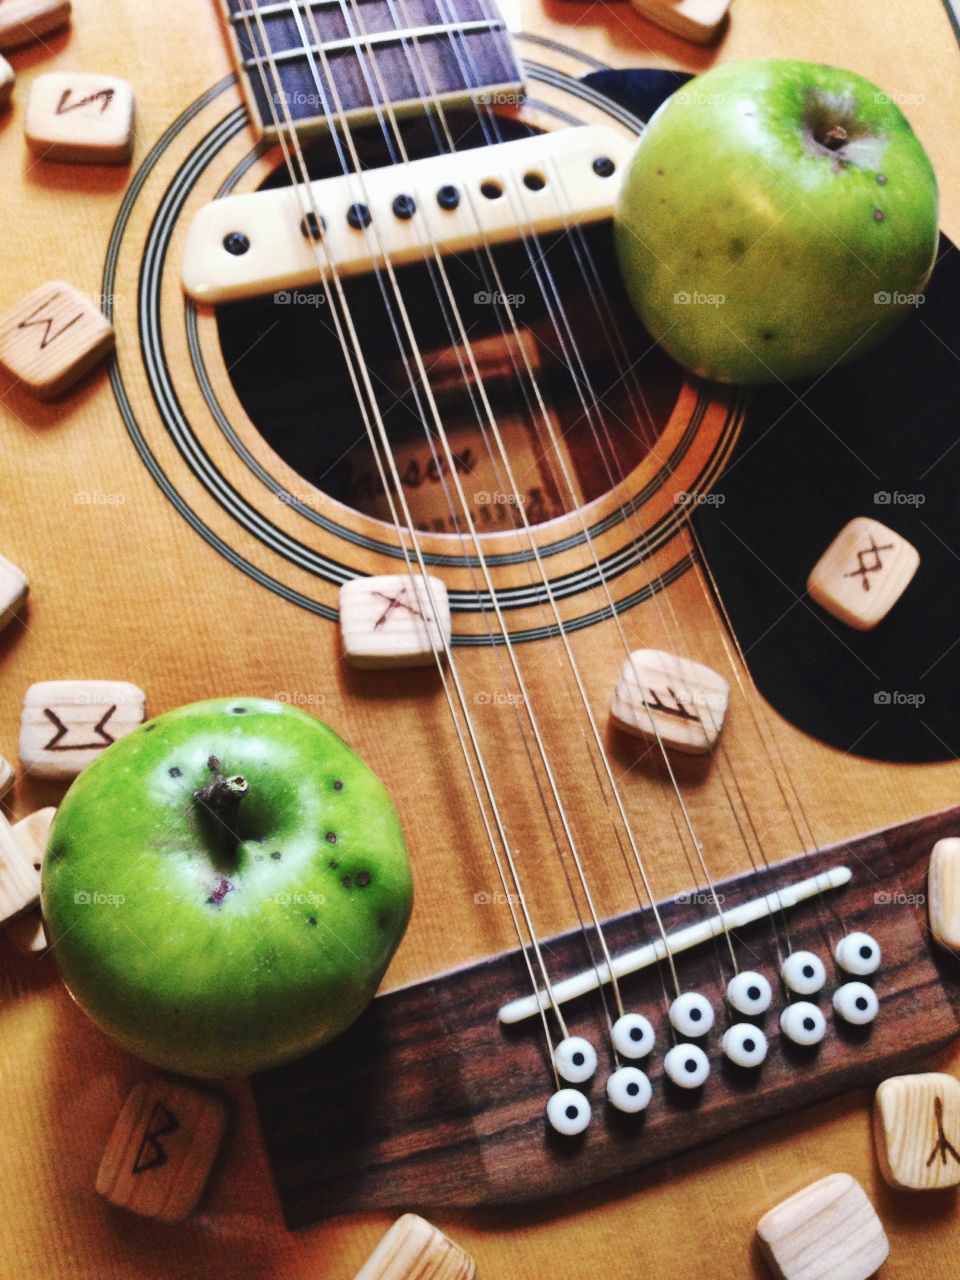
(856, 1003)
(632, 1035)
(745, 1045)
(686, 1065)
(858, 953)
(628, 1089)
(691, 1014)
(749, 993)
(803, 1023)
(803, 973)
(575, 1059)
(568, 1112)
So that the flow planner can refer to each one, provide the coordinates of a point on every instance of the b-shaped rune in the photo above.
(394, 620)
(65, 724)
(664, 697)
(163, 1145)
(916, 1124)
(77, 116)
(863, 573)
(52, 338)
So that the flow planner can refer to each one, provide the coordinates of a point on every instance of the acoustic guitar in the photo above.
(422, 365)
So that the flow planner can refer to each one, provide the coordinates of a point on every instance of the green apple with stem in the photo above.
(224, 887)
(778, 217)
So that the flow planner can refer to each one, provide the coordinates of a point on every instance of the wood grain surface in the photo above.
(124, 587)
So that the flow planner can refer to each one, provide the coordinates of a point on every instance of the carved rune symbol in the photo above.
(869, 560)
(151, 1154)
(395, 602)
(56, 743)
(46, 323)
(678, 709)
(103, 96)
(943, 1146)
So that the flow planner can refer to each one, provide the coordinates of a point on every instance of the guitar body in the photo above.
(172, 539)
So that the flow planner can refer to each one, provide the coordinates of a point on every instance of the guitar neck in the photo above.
(312, 63)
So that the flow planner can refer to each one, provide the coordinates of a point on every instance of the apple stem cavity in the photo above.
(221, 800)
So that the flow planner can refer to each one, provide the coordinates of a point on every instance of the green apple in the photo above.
(224, 887)
(778, 217)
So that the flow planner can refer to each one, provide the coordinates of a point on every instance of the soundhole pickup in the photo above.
(268, 241)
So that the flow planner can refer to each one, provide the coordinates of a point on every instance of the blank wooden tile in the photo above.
(390, 621)
(827, 1231)
(6, 776)
(19, 882)
(7, 80)
(943, 893)
(682, 701)
(13, 591)
(53, 337)
(65, 724)
(23, 21)
(161, 1150)
(80, 117)
(414, 1247)
(863, 573)
(916, 1126)
(696, 20)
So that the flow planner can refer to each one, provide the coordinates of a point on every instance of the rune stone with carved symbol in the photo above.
(863, 573)
(916, 1124)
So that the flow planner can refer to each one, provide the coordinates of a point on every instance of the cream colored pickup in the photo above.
(256, 243)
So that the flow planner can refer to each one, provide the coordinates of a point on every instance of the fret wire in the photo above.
(380, 37)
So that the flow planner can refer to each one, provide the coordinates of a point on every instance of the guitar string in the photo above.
(562, 465)
(506, 460)
(598, 928)
(525, 699)
(736, 658)
(359, 374)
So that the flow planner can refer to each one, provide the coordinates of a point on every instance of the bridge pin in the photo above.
(632, 1035)
(856, 1003)
(628, 1089)
(686, 1065)
(749, 993)
(575, 1059)
(803, 1023)
(858, 953)
(691, 1014)
(745, 1045)
(568, 1111)
(803, 973)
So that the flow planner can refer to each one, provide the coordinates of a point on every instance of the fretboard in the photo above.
(302, 59)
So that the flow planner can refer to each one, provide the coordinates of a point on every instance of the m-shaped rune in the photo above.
(869, 561)
(943, 1146)
(56, 743)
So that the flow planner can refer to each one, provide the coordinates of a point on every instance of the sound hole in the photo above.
(292, 378)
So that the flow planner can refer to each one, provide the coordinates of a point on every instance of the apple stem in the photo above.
(221, 798)
(836, 137)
